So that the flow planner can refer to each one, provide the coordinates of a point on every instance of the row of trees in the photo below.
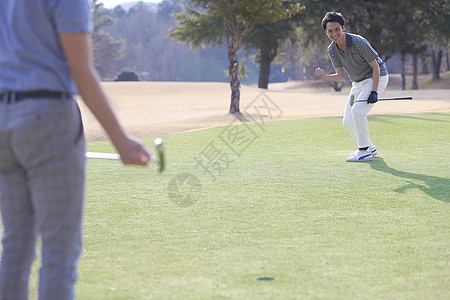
(403, 27)
(286, 31)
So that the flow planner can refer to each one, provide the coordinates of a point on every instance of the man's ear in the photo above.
(343, 27)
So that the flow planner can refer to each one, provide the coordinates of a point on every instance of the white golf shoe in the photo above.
(373, 150)
(360, 156)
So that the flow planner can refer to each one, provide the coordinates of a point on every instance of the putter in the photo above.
(352, 99)
(159, 149)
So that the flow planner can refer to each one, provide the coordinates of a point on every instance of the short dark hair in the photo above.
(333, 16)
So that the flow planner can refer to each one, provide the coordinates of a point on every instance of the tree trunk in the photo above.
(266, 60)
(436, 64)
(403, 73)
(424, 66)
(233, 69)
(264, 71)
(415, 85)
(448, 63)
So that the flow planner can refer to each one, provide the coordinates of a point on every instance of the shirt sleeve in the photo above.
(72, 16)
(366, 51)
(334, 58)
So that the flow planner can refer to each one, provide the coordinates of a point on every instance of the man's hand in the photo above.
(373, 97)
(133, 152)
(321, 73)
(338, 76)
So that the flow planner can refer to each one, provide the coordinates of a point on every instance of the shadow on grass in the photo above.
(436, 187)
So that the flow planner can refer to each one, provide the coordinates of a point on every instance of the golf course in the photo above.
(264, 205)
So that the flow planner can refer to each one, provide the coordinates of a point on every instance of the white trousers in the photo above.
(355, 117)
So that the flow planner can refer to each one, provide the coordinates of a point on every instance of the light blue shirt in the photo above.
(31, 55)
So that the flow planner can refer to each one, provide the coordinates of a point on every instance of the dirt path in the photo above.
(158, 108)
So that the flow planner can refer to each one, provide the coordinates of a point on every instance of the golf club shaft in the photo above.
(113, 156)
(102, 155)
(389, 99)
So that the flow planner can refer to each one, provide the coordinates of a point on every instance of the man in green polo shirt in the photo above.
(368, 73)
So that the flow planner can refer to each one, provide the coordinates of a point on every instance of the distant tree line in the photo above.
(139, 37)
(285, 33)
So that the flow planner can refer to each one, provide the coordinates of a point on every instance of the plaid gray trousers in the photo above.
(42, 180)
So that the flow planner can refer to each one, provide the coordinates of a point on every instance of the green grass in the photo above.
(288, 207)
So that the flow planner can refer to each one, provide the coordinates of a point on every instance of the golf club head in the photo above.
(160, 152)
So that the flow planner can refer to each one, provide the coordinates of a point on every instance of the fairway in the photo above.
(284, 205)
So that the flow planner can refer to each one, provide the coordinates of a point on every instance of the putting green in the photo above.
(286, 207)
